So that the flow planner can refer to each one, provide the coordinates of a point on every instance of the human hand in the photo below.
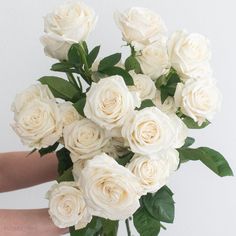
(26, 172)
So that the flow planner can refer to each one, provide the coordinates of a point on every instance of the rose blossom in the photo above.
(84, 139)
(140, 26)
(181, 131)
(190, 54)
(67, 206)
(148, 131)
(154, 171)
(111, 190)
(198, 99)
(154, 59)
(35, 91)
(38, 124)
(144, 85)
(68, 113)
(70, 23)
(109, 101)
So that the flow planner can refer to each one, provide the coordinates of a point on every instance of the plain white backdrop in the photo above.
(205, 203)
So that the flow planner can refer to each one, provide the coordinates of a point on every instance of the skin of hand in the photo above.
(27, 171)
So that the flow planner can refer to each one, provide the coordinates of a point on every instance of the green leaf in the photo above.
(92, 56)
(91, 229)
(160, 205)
(50, 149)
(119, 71)
(109, 61)
(161, 81)
(211, 158)
(61, 88)
(79, 106)
(167, 84)
(109, 227)
(132, 63)
(191, 124)
(67, 176)
(189, 142)
(145, 224)
(164, 94)
(85, 46)
(146, 103)
(173, 80)
(74, 56)
(31, 152)
(125, 159)
(62, 67)
(64, 160)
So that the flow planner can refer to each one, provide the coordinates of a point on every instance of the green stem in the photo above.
(84, 59)
(133, 52)
(128, 227)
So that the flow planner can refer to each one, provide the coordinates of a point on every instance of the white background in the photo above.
(205, 203)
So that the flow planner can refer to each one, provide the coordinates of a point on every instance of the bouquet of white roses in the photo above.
(119, 130)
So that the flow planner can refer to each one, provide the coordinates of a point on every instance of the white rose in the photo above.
(153, 171)
(109, 101)
(172, 157)
(181, 131)
(154, 59)
(144, 85)
(168, 106)
(69, 23)
(39, 124)
(198, 99)
(202, 71)
(111, 190)
(190, 54)
(148, 131)
(55, 46)
(67, 206)
(140, 26)
(84, 139)
(68, 113)
(36, 91)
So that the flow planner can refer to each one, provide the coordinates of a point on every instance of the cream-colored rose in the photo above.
(168, 106)
(143, 85)
(36, 91)
(69, 23)
(68, 113)
(38, 123)
(154, 59)
(67, 206)
(140, 26)
(154, 171)
(172, 156)
(202, 71)
(198, 99)
(190, 54)
(84, 139)
(111, 190)
(55, 46)
(148, 131)
(109, 101)
(181, 131)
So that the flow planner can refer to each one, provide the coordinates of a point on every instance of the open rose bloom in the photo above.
(119, 128)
